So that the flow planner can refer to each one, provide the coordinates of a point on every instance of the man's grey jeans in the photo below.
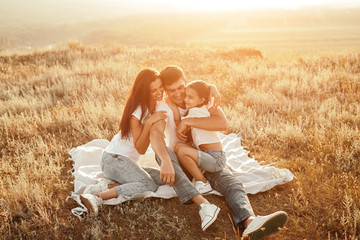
(222, 181)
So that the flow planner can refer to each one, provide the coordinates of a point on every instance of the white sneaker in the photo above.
(203, 187)
(91, 202)
(208, 214)
(262, 226)
(97, 188)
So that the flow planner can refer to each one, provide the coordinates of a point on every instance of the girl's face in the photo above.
(192, 99)
(156, 90)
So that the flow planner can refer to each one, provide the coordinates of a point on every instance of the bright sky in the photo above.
(213, 5)
(20, 12)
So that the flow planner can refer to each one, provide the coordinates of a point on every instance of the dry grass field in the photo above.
(296, 110)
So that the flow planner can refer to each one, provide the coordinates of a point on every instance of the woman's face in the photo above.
(192, 99)
(156, 90)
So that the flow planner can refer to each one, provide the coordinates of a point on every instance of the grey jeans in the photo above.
(222, 181)
(211, 160)
(184, 189)
(133, 178)
(235, 196)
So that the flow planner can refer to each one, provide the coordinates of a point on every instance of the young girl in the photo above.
(208, 155)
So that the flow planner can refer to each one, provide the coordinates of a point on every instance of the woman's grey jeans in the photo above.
(133, 178)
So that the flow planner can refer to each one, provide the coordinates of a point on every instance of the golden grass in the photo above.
(297, 110)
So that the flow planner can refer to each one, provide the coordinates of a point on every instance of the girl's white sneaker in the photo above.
(203, 187)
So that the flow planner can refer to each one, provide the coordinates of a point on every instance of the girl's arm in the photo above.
(141, 132)
(216, 122)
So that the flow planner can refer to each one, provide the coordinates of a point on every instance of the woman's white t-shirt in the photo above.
(126, 147)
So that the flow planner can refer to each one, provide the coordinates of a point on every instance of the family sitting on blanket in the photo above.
(146, 118)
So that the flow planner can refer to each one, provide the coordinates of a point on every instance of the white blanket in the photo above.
(255, 177)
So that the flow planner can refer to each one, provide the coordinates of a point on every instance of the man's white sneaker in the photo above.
(203, 187)
(208, 214)
(91, 202)
(96, 188)
(263, 226)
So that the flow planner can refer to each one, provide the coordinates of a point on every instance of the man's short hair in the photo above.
(171, 74)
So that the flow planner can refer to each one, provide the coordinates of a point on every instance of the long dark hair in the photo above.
(139, 95)
(201, 88)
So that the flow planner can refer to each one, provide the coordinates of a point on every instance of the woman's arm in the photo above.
(141, 133)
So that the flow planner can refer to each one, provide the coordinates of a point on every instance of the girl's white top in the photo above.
(126, 147)
(201, 136)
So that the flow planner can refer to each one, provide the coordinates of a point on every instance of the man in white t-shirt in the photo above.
(174, 80)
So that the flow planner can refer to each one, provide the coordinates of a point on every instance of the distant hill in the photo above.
(244, 27)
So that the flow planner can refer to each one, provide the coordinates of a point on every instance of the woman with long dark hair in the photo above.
(119, 161)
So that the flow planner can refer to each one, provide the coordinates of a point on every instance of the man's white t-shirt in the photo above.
(170, 129)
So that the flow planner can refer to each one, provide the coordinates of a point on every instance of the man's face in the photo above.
(176, 92)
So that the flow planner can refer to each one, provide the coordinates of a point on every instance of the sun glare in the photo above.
(215, 5)
(234, 4)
